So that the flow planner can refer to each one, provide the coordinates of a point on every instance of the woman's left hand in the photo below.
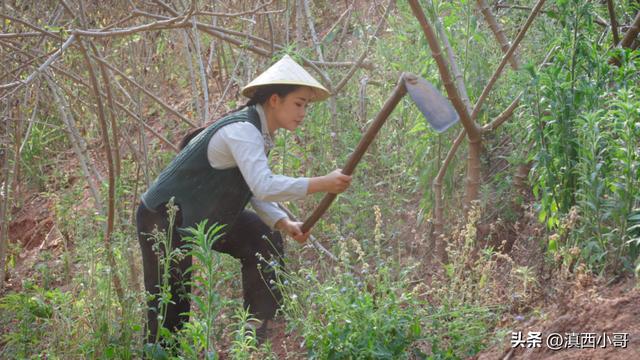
(293, 229)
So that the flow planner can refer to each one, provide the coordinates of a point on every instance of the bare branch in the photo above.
(312, 30)
(111, 203)
(19, 35)
(75, 141)
(39, 70)
(631, 33)
(255, 11)
(614, 22)
(172, 23)
(257, 50)
(505, 58)
(147, 92)
(372, 39)
(461, 87)
(437, 186)
(342, 16)
(79, 81)
(203, 76)
(497, 30)
(504, 116)
(26, 65)
(33, 27)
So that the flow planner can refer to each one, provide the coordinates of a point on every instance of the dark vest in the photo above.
(200, 190)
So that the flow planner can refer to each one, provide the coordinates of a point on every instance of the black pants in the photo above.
(248, 236)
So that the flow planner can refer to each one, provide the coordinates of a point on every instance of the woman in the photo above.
(220, 169)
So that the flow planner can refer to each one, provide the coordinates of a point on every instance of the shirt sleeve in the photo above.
(241, 144)
(268, 211)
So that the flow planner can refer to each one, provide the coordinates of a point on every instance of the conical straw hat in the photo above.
(287, 71)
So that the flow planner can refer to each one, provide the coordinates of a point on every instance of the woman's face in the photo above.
(289, 111)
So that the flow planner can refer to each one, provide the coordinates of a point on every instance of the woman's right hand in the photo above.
(337, 182)
(334, 182)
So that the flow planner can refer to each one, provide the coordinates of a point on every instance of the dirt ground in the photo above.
(34, 231)
(596, 322)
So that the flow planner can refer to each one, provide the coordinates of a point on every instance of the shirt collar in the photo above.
(268, 139)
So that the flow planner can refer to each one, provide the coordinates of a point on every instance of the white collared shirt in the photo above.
(241, 144)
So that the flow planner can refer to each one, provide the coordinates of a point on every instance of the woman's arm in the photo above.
(241, 145)
(335, 182)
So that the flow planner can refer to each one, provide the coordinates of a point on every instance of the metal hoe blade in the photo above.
(436, 108)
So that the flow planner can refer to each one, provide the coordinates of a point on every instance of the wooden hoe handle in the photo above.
(399, 91)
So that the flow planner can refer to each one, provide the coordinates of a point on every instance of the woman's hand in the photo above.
(335, 182)
(293, 229)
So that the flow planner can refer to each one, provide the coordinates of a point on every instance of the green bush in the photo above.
(353, 316)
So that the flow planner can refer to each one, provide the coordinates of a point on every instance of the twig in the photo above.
(31, 122)
(203, 77)
(255, 11)
(118, 104)
(459, 79)
(340, 18)
(32, 27)
(438, 218)
(25, 65)
(472, 190)
(192, 76)
(217, 32)
(504, 116)
(353, 69)
(497, 31)
(628, 39)
(220, 32)
(229, 83)
(75, 142)
(614, 23)
(119, 22)
(298, 6)
(172, 23)
(114, 124)
(631, 34)
(271, 42)
(362, 103)
(438, 223)
(312, 29)
(39, 70)
(111, 203)
(505, 58)
(19, 35)
(5, 195)
(343, 33)
(147, 92)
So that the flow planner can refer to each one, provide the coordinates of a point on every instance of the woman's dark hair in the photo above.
(262, 94)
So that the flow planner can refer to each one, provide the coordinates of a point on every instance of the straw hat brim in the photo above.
(287, 72)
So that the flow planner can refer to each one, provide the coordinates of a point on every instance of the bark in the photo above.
(76, 143)
(472, 129)
(614, 22)
(5, 186)
(495, 27)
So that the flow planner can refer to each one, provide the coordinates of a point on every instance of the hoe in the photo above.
(435, 108)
